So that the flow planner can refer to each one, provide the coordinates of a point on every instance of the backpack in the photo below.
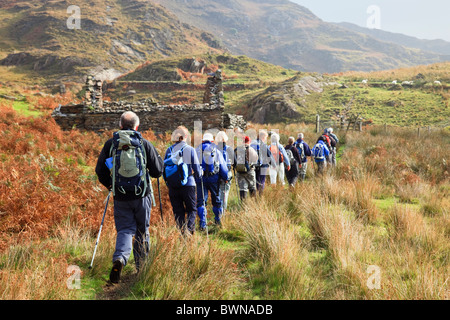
(327, 140)
(276, 153)
(257, 148)
(210, 160)
(129, 163)
(319, 152)
(290, 156)
(176, 171)
(300, 149)
(242, 160)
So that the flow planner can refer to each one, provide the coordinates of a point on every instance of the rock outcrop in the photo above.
(283, 101)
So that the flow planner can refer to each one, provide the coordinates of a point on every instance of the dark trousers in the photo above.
(132, 218)
(202, 199)
(292, 176)
(260, 179)
(184, 207)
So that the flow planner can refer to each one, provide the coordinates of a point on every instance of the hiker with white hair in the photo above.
(214, 168)
(228, 156)
(281, 160)
(125, 166)
(304, 151)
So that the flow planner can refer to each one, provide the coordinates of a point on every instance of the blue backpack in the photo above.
(129, 163)
(210, 159)
(319, 152)
(176, 172)
(300, 149)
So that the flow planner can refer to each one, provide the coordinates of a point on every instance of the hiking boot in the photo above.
(116, 270)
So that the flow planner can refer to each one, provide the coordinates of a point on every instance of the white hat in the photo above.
(208, 137)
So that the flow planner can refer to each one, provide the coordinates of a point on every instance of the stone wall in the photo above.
(159, 118)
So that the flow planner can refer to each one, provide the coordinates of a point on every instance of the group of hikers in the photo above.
(127, 162)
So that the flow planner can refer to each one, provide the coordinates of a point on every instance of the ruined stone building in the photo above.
(95, 114)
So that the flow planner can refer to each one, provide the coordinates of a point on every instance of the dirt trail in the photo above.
(118, 291)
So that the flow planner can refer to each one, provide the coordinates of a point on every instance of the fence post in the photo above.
(360, 126)
(418, 132)
(317, 123)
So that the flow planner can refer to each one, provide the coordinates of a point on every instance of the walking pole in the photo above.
(100, 230)
(237, 186)
(160, 203)
(204, 204)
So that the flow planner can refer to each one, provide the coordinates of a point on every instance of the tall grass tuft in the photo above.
(187, 268)
(275, 246)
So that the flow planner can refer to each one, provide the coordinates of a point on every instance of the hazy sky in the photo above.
(424, 19)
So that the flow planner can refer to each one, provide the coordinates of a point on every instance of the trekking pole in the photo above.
(237, 187)
(160, 203)
(152, 194)
(100, 230)
(204, 205)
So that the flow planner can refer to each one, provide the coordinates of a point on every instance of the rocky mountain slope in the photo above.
(440, 47)
(287, 34)
(114, 37)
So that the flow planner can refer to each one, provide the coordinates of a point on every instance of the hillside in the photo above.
(114, 37)
(284, 33)
(266, 93)
(416, 100)
(181, 80)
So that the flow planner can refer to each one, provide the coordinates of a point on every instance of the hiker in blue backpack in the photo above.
(214, 168)
(320, 153)
(265, 160)
(304, 152)
(228, 156)
(181, 168)
(124, 166)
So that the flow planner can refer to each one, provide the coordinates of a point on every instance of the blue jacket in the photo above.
(190, 158)
(223, 169)
(325, 151)
(306, 149)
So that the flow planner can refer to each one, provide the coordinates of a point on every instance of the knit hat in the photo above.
(247, 139)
